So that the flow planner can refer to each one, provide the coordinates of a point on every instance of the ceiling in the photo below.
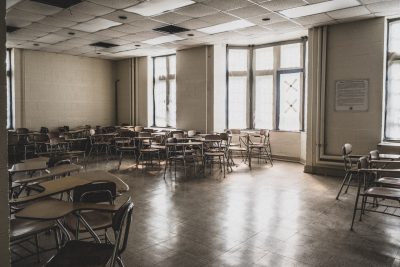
(72, 30)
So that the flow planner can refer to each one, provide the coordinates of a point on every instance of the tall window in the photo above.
(392, 120)
(265, 86)
(9, 91)
(164, 91)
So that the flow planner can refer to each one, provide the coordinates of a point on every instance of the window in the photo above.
(10, 101)
(266, 86)
(164, 91)
(392, 118)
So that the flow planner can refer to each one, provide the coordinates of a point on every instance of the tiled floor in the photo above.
(269, 216)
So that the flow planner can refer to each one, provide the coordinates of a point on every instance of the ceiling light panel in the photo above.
(95, 25)
(91, 9)
(151, 8)
(229, 26)
(171, 18)
(323, 7)
(38, 8)
(276, 5)
(226, 4)
(52, 38)
(163, 39)
(248, 11)
(197, 10)
(349, 12)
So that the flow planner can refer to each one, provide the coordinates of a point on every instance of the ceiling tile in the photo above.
(130, 17)
(384, 6)
(42, 27)
(277, 5)
(74, 16)
(52, 38)
(273, 18)
(196, 10)
(92, 8)
(171, 18)
(188, 34)
(217, 18)
(193, 24)
(117, 41)
(13, 43)
(95, 25)
(249, 11)
(95, 37)
(70, 33)
(282, 26)
(16, 22)
(362, 17)
(142, 36)
(54, 21)
(226, 4)
(75, 42)
(84, 49)
(120, 48)
(365, 2)
(147, 24)
(117, 4)
(20, 14)
(349, 12)
(255, 30)
(112, 33)
(126, 29)
(37, 8)
(313, 19)
(316, 1)
(32, 45)
(26, 34)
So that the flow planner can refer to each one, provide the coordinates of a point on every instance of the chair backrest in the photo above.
(347, 149)
(177, 134)
(139, 128)
(44, 130)
(63, 162)
(234, 131)
(97, 192)
(226, 139)
(363, 163)
(144, 134)
(191, 133)
(121, 223)
(374, 154)
(22, 130)
(122, 141)
(92, 132)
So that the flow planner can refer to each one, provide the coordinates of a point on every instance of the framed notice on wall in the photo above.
(351, 95)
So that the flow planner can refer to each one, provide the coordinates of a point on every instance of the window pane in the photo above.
(264, 58)
(291, 56)
(172, 103)
(160, 67)
(392, 101)
(289, 104)
(263, 102)
(160, 105)
(394, 37)
(238, 60)
(8, 89)
(172, 64)
(237, 102)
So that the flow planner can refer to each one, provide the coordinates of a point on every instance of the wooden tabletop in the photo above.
(185, 144)
(52, 209)
(28, 166)
(379, 170)
(389, 156)
(46, 159)
(51, 172)
(105, 176)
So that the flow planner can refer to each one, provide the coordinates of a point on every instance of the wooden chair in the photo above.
(79, 253)
(214, 150)
(263, 147)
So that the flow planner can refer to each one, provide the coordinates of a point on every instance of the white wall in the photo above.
(57, 90)
(4, 211)
(142, 87)
(124, 76)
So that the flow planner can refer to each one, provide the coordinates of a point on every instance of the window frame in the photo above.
(397, 58)
(167, 79)
(10, 95)
(275, 72)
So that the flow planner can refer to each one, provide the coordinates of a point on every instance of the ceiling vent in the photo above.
(103, 44)
(12, 29)
(59, 3)
(172, 29)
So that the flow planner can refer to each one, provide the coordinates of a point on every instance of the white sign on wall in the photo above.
(351, 95)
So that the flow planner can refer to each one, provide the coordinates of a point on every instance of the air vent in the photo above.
(59, 3)
(171, 29)
(12, 29)
(103, 44)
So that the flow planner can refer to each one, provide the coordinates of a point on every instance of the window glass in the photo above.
(264, 58)
(238, 59)
(392, 101)
(289, 101)
(263, 102)
(9, 91)
(237, 102)
(291, 56)
(394, 37)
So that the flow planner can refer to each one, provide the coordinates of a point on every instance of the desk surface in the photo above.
(51, 172)
(52, 209)
(35, 165)
(389, 156)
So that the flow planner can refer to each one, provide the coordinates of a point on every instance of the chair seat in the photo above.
(384, 192)
(127, 148)
(149, 150)
(238, 148)
(157, 146)
(389, 181)
(20, 228)
(257, 146)
(214, 154)
(79, 254)
(97, 220)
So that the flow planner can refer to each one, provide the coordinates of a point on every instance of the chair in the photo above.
(212, 150)
(263, 147)
(145, 149)
(177, 134)
(100, 142)
(349, 167)
(79, 253)
(12, 146)
(385, 194)
(124, 145)
(139, 129)
(178, 154)
(98, 192)
(191, 133)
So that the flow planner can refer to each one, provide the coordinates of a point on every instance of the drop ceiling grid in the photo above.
(51, 26)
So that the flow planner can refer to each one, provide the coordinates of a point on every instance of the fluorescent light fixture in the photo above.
(229, 26)
(163, 39)
(154, 7)
(318, 8)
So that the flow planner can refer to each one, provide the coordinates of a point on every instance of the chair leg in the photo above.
(165, 168)
(348, 183)
(341, 186)
(119, 261)
(37, 248)
(223, 164)
(120, 160)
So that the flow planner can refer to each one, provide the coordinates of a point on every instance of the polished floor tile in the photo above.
(269, 216)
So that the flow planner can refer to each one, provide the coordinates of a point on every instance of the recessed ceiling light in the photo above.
(71, 33)
(137, 45)
(318, 8)
(122, 17)
(163, 39)
(98, 53)
(229, 26)
(266, 19)
(36, 44)
(154, 7)
(190, 34)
